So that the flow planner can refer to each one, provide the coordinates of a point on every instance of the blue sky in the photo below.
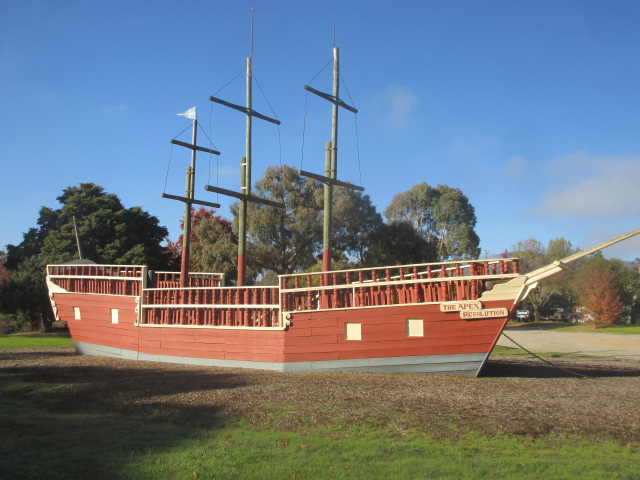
(530, 108)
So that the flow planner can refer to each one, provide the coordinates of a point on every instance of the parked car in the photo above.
(563, 315)
(525, 314)
(584, 315)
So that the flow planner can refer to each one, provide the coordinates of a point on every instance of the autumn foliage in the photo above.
(597, 291)
(4, 273)
(197, 216)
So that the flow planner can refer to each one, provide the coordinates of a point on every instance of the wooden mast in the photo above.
(188, 193)
(245, 168)
(245, 179)
(331, 160)
(189, 198)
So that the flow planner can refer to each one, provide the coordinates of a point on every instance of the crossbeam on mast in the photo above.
(332, 98)
(190, 200)
(330, 181)
(243, 196)
(195, 147)
(245, 110)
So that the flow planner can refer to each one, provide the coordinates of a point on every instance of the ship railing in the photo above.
(195, 279)
(100, 279)
(252, 307)
(405, 284)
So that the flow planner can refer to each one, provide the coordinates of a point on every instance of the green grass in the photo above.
(617, 329)
(43, 434)
(37, 444)
(35, 340)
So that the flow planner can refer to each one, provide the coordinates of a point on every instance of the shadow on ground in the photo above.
(532, 367)
(61, 417)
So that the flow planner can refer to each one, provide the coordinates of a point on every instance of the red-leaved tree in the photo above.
(597, 291)
(213, 244)
(4, 273)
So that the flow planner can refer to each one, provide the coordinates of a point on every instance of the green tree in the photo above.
(552, 290)
(289, 240)
(214, 247)
(355, 221)
(443, 215)
(109, 233)
(25, 296)
(398, 243)
(283, 240)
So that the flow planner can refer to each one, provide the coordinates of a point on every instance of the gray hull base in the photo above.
(468, 364)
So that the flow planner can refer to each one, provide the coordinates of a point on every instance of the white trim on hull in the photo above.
(468, 364)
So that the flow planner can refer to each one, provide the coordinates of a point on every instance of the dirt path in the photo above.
(600, 344)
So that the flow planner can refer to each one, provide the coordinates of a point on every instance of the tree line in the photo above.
(601, 290)
(423, 224)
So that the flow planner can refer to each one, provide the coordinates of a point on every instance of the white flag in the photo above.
(191, 113)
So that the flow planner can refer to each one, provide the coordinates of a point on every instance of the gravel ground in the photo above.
(514, 395)
(576, 343)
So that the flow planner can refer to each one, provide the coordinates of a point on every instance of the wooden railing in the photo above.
(219, 307)
(103, 279)
(195, 279)
(407, 284)
(261, 307)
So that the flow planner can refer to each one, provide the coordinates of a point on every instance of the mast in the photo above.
(189, 195)
(245, 183)
(331, 172)
(245, 168)
(331, 160)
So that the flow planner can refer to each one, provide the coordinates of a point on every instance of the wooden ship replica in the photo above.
(426, 318)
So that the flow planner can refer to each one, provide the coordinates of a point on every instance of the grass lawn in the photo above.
(589, 327)
(580, 327)
(56, 430)
(35, 340)
(41, 437)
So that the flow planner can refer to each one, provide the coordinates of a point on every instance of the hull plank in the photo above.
(315, 341)
(385, 336)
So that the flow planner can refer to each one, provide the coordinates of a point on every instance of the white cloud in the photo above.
(115, 109)
(472, 146)
(516, 166)
(400, 104)
(583, 186)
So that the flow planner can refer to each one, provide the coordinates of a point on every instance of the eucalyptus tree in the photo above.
(290, 240)
(442, 215)
(552, 290)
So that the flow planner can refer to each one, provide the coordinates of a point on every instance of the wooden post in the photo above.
(328, 210)
(188, 201)
(186, 231)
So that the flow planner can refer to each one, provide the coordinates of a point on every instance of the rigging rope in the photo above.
(230, 81)
(355, 120)
(274, 115)
(544, 360)
(321, 70)
(211, 144)
(166, 178)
